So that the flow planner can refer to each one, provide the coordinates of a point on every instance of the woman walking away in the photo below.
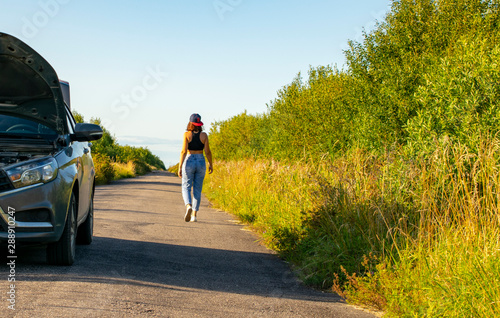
(192, 166)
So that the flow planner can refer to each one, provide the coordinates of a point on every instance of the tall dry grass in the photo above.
(416, 237)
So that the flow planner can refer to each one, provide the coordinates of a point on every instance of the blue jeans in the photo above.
(193, 173)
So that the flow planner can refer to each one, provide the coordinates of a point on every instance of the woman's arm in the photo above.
(208, 154)
(183, 154)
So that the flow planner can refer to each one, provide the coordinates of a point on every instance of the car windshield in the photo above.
(20, 127)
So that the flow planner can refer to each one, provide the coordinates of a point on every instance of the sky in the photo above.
(143, 67)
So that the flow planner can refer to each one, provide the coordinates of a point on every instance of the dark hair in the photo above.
(194, 128)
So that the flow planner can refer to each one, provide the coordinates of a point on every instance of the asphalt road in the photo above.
(145, 261)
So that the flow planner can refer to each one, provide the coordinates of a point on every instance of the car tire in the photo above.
(63, 251)
(86, 229)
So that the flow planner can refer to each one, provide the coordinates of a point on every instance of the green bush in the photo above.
(104, 171)
(461, 98)
(238, 137)
(140, 167)
(311, 118)
(107, 151)
(382, 178)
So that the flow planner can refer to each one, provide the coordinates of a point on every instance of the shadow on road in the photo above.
(115, 261)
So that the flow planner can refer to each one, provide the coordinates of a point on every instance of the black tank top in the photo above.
(196, 143)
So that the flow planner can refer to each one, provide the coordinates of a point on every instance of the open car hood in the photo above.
(29, 86)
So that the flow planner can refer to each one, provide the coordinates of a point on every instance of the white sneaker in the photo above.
(189, 210)
(193, 218)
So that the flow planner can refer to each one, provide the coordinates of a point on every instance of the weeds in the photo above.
(107, 170)
(410, 237)
(405, 165)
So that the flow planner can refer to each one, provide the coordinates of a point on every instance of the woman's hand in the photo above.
(210, 169)
(179, 173)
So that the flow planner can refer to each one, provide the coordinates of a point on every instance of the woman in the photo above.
(192, 166)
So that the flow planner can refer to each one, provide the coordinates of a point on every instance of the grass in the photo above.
(108, 170)
(414, 238)
(123, 170)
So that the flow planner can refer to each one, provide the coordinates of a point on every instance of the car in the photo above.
(47, 175)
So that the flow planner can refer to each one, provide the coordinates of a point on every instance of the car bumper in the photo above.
(37, 213)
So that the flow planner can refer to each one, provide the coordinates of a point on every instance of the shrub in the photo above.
(122, 170)
(104, 171)
(382, 179)
(140, 167)
(113, 161)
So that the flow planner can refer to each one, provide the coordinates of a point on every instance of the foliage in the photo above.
(417, 41)
(113, 161)
(306, 118)
(123, 170)
(314, 117)
(78, 117)
(173, 169)
(381, 180)
(412, 238)
(240, 136)
(429, 71)
(446, 266)
(319, 215)
(461, 98)
(104, 171)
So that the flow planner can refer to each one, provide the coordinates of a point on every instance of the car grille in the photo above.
(5, 184)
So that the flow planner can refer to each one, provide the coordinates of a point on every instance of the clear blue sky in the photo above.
(143, 67)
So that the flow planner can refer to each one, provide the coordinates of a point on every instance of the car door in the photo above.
(84, 165)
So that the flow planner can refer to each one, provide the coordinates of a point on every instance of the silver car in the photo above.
(46, 169)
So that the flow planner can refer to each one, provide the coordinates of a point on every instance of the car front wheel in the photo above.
(62, 252)
(86, 230)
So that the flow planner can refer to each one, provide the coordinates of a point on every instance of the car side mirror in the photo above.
(86, 132)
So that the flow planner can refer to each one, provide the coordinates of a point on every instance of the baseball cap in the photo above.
(196, 120)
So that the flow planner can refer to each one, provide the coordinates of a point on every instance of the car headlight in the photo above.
(34, 172)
